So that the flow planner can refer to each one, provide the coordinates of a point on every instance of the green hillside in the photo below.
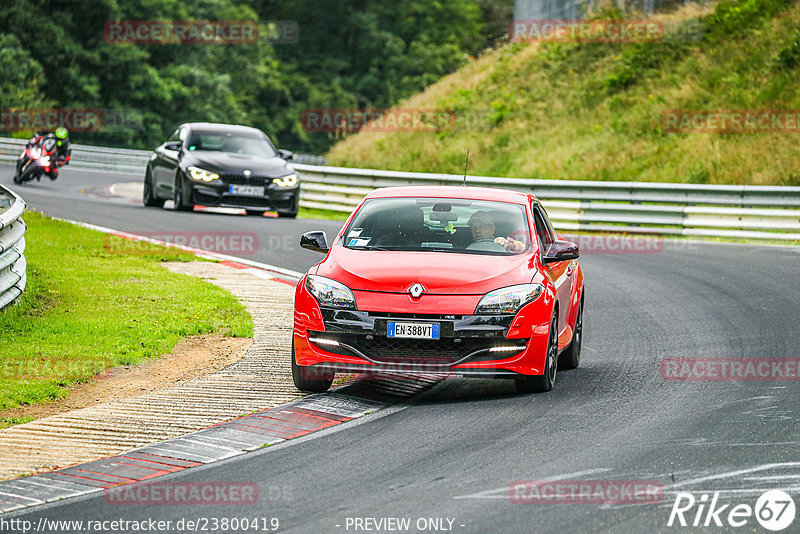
(593, 110)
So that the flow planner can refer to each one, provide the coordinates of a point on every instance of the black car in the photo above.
(222, 165)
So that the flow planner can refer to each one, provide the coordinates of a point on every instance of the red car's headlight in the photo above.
(508, 299)
(330, 292)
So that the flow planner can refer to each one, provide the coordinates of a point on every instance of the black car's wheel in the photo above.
(291, 213)
(571, 357)
(182, 203)
(149, 197)
(544, 382)
(308, 379)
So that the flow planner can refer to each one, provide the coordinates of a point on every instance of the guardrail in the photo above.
(13, 267)
(86, 157)
(669, 209)
(121, 160)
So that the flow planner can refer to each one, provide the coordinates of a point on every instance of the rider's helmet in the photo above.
(61, 135)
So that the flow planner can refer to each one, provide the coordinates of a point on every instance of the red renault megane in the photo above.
(440, 279)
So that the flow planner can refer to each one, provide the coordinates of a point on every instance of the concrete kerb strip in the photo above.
(226, 438)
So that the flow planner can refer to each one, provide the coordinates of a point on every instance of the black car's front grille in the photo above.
(240, 179)
(245, 202)
(445, 351)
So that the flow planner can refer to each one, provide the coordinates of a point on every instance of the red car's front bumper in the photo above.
(356, 341)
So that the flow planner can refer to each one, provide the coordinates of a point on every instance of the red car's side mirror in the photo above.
(561, 250)
(316, 241)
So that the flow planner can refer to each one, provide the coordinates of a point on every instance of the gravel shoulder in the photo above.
(205, 381)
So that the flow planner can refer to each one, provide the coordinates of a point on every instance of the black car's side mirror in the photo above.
(285, 154)
(172, 145)
(561, 250)
(316, 241)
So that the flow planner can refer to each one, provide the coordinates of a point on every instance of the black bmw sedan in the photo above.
(221, 165)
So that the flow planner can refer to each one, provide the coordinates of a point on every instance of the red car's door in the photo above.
(560, 272)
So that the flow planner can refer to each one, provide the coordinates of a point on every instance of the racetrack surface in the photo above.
(454, 452)
(85, 196)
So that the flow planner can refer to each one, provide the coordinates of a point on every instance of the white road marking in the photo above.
(502, 493)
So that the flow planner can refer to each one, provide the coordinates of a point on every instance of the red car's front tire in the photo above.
(543, 382)
(308, 379)
(571, 357)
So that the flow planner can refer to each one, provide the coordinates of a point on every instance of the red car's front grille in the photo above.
(444, 351)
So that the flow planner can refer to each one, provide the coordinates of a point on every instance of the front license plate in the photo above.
(414, 330)
(246, 190)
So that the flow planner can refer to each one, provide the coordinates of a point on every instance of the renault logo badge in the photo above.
(416, 290)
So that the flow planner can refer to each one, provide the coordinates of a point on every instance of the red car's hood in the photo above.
(439, 272)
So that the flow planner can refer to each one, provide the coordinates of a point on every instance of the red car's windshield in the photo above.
(441, 224)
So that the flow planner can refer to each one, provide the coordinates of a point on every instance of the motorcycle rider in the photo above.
(63, 150)
(64, 147)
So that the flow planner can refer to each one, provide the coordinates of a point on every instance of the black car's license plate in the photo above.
(246, 190)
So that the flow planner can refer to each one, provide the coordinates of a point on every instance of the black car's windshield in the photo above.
(441, 224)
(234, 142)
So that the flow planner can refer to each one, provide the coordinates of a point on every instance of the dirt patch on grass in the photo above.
(193, 357)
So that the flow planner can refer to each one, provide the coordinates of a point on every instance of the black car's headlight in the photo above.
(201, 175)
(286, 181)
(330, 292)
(508, 299)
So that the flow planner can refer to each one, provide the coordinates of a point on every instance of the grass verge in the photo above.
(94, 303)
(596, 111)
(329, 215)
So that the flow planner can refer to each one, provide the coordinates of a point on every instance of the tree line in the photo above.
(309, 54)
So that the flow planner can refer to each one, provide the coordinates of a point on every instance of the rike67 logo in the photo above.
(774, 510)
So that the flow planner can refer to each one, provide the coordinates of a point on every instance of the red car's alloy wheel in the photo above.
(544, 382)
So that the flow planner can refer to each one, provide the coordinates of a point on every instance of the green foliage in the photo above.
(23, 77)
(789, 56)
(351, 53)
(732, 16)
(640, 59)
(594, 111)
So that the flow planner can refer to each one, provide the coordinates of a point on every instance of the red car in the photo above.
(439, 279)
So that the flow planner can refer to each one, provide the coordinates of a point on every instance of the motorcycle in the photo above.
(37, 159)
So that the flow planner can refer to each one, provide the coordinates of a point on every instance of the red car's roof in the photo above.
(452, 191)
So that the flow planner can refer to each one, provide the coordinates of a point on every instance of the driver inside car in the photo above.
(482, 226)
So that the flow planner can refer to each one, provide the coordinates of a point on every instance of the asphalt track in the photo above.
(454, 452)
